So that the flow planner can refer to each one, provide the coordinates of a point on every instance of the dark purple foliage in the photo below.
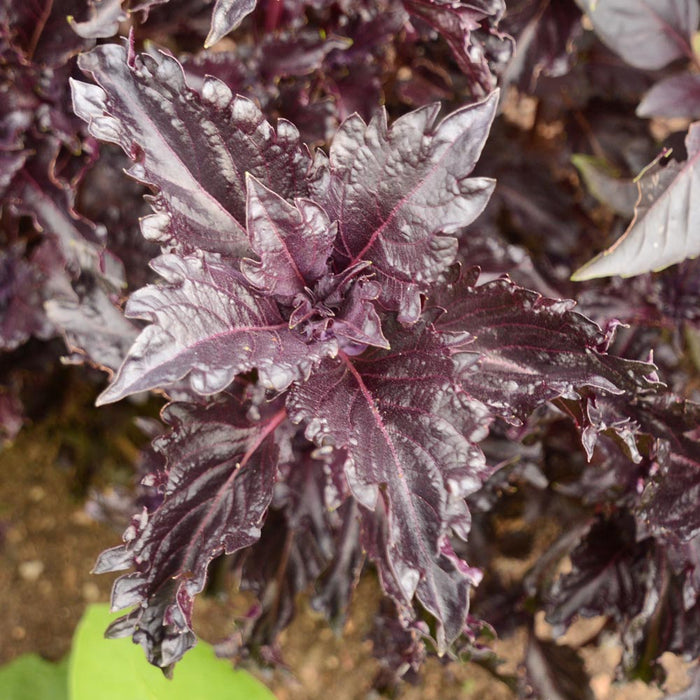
(554, 671)
(221, 462)
(360, 306)
(330, 310)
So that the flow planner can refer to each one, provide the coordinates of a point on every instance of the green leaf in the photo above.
(31, 678)
(115, 669)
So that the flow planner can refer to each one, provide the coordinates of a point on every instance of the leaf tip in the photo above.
(591, 270)
(107, 396)
(580, 274)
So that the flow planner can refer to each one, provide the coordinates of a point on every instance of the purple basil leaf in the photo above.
(101, 199)
(397, 192)
(543, 33)
(23, 287)
(647, 34)
(294, 548)
(358, 320)
(297, 53)
(40, 31)
(405, 460)
(271, 71)
(664, 623)
(620, 194)
(671, 499)
(608, 577)
(529, 349)
(304, 543)
(221, 466)
(93, 325)
(460, 24)
(666, 226)
(400, 651)
(195, 148)
(37, 192)
(227, 15)
(610, 416)
(633, 582)
(556, 671)
(675, 96)
(228, 66)
(208, 325)
(333, 591)
(294, 243)
(105, 17)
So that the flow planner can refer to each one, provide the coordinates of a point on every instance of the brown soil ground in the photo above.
(48, 545)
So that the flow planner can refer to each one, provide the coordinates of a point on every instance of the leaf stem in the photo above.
(39, 29)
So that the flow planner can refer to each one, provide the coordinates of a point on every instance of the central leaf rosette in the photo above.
(295, 245)
(280, 261)
(286, 272)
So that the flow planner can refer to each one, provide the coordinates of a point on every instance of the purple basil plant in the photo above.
(361, 305)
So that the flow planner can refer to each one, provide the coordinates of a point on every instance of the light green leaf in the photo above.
(116, 669)
(29, 677)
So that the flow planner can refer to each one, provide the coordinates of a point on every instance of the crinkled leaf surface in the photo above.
(647, 34)
(207, 324)
(397, 191)
(36, 192)
(194, 147)
(103, 20)
(294, 243)
(405, 459)
(309, 542)
(529, 349)
(671, 499)
(666, 226)
(221, 465)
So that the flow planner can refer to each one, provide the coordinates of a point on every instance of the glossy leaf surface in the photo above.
(528, 349)
(398, 192)
(405, 460)
(207, 324)
(194, 148)
(220, 471)
(666, 227)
